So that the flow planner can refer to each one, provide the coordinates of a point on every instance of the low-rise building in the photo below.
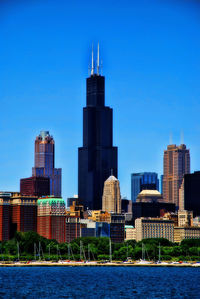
(181, 233)
(154, 228)
(130, 232)
(51, 218)
(185, 218)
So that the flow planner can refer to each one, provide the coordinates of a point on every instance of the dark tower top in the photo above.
(96, 91)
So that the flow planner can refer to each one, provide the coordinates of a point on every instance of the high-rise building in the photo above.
(51, 217)
(189, 193)
(97, 156)
(36, 186)
(44, 162)
(143, 181)
(111, 200)
(176, 164)
(5, 212)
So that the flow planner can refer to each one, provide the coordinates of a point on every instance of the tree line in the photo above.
(31, 246)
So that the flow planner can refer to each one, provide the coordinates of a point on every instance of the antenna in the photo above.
(101, 67)
(111, 171)
(98, 59)
(170, 138)
(92, 69)
(182, 137)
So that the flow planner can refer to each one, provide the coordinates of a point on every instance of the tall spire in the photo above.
(98, 59)
(92, 69)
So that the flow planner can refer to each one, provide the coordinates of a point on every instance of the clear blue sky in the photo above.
(151, 61)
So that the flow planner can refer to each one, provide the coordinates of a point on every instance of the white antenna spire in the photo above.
(92, 69)
(98, 59)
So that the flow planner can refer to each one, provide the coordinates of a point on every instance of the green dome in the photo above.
(50, 201)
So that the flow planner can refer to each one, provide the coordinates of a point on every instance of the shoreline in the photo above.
(93, 264)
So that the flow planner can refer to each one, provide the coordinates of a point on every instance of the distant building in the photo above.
(149, 196)
(23, 213)
(154, 228)
(51, 218)
(190, 193)
(71, 199)
(5, 213)
(130, 232)
(44, 162)
(117, 228)
(149, 204)
(73, 228)
(182, 233)
(102, 229)
(185, 218)
(176, 164)
(100, 216)
(141, 181)
(35, 186)
(126, 205)
(111, 200)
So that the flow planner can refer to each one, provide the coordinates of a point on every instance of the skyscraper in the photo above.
(97, 156)
(176, 164)
(143, 181)
(44, 162)
(111, 200)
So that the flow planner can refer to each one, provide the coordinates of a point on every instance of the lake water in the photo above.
(99, 282)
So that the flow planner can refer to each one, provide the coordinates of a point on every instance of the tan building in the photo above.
(181, 196)
(176, 164)
(111, 200)
(100, 216)
(154, 228)
(149, 196)
(130, 233)
(185, 218)
(181, 233)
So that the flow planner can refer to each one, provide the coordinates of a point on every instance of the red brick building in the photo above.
(23, 213)
(51, 218)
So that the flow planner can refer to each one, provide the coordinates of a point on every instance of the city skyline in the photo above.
(150, 77)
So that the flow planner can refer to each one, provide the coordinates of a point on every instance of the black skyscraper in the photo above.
(97, 156)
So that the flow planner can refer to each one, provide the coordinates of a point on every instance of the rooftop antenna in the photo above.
(92, 69)
(101, 67)
(170, 138)
(182, 137)
(98, 59)
(111, 171)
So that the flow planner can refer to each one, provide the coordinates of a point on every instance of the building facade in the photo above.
(142, 181)
(44, 162)
(154, 228)
(5, 212)
(182, 233)
(35, 186)
(98, 155)
(190, 193)
(111, 200)
(176, 163)
(185, 218)
(23, 213)
(73, 228)
(51, 217)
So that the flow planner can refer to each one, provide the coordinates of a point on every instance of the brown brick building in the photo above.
(176, 164)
